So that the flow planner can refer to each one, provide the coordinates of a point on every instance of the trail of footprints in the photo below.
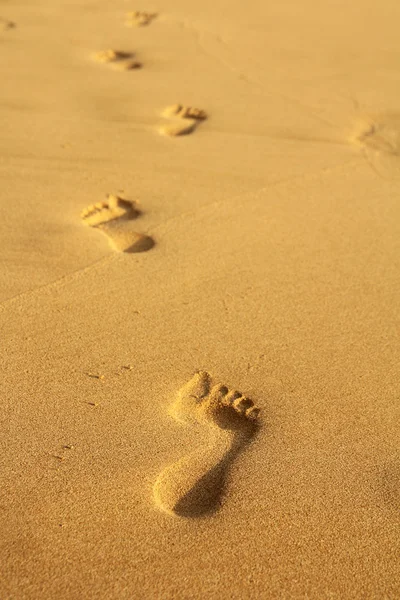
(194, 485)
(181, 119)
(378, 136)
(113, 217)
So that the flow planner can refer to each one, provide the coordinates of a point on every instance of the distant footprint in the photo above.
(182, 120)
(113, 218)
(193, 486)
(122, 61)
(6, 24)
(139, 18)
(379, 136)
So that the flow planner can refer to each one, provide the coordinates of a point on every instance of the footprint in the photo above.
(122, 61)
(379, 137)
(138, 18)
(113, 218)
(193, 486)
(182, 119)
(6, 24)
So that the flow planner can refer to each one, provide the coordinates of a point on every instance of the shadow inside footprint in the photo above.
(205, 496)
(142, 243)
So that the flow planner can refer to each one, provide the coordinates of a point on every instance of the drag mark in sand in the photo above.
(113, 218)
(193, 486)
(379, 137)
(182, 120)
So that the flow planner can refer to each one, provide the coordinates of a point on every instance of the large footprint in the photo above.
(113, 218)
(193, 486)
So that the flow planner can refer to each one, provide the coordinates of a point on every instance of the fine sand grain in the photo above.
(200, 300)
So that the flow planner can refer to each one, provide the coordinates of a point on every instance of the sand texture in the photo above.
(200, 300)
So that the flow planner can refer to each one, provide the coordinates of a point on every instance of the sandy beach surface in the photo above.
(200, 300)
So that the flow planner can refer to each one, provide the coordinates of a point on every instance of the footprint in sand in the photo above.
(122, 61)
(6, 24)
(113, 218)
(193, 486)
(139, 18)
(379, 137)
(182, 119)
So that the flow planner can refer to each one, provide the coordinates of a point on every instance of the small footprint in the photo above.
(193, 486)
(6, 24)
(379, 136)
(182, 119)
(122, 61)
(139, 18)
(113, 218)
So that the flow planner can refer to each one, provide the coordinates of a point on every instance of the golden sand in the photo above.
(200, 370)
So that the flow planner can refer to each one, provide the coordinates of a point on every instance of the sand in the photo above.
(199, 316)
